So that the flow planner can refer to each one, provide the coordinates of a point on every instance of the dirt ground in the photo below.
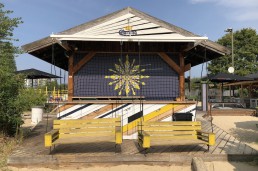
(211, 166)
(244, 128)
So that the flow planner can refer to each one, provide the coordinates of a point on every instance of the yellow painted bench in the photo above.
(84, 131)
(173, 133)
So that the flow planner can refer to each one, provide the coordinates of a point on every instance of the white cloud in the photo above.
(251, 15)
(229, 3)
(240, 10)
(238, 3)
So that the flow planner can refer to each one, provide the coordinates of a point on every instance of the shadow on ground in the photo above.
(246, 131)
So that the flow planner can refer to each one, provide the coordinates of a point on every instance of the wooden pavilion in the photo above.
(32, 75)
(126, 63)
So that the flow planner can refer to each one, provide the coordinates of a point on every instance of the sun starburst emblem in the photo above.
(127, 77)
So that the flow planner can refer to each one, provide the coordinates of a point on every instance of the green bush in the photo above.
(10, 83)
(30, 97)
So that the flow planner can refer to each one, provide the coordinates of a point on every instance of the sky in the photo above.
(203, 17)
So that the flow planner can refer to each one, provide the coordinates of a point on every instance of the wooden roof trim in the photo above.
(161, 22)
(95, 22)
(215, 47)
(30, 47)
(242, 82)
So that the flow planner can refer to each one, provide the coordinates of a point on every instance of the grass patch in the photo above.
(7, 145)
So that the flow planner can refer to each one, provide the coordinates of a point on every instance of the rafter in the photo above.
(86, 59)
(187, 67)
(169, 61)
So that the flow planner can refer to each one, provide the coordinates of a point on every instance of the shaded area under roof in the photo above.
(36, 74)
(225, 77)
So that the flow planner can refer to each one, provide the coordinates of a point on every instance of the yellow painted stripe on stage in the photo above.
(149, 116)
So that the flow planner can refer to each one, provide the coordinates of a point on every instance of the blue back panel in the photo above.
(162, 83)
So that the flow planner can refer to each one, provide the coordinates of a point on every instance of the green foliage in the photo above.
(7, 24)
(195, 83)
(30, 97)
(51, 85)
(9, 90)
(245, 53)
(10, 114)
(7, 145)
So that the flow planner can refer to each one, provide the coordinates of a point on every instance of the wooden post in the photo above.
(230, 93)
(70, 78)
(242, 94)
(182, 77)
(46, 91)
(54, 92)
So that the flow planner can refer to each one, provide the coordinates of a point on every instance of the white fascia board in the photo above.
(128, 38)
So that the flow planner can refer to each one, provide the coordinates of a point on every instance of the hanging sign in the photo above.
(127, 31)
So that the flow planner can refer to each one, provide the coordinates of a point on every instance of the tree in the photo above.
(245, 53)
(10, 83)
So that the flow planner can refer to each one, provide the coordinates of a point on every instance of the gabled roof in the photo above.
(226, 77)
(36, 74)
(146, 27)
(254, 76)
(128, 27)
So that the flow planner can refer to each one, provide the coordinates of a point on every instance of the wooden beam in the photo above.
(242, 82)
(193, 45)
(169, 61)
(82, 62)
(187, 67)
(182, 77)
(64, 45)
(70, 78)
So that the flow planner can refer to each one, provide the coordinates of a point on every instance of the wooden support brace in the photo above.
(170, 62)
(81, 63)
(187, 67)
(64, 45)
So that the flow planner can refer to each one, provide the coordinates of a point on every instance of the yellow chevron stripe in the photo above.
(149, 116)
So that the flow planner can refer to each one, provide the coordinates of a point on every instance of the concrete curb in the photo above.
(198, 164)
(58, 160)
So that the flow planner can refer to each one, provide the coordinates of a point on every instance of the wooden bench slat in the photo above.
(84, 131)
(85, 125)
(87, 130)
(169, 137)
(171, 128)
(175, 142)
(99, 120)
(170, 123)
(93, 134)
(172, 132)
(176, 133)
(88, 123)
(84, 140)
